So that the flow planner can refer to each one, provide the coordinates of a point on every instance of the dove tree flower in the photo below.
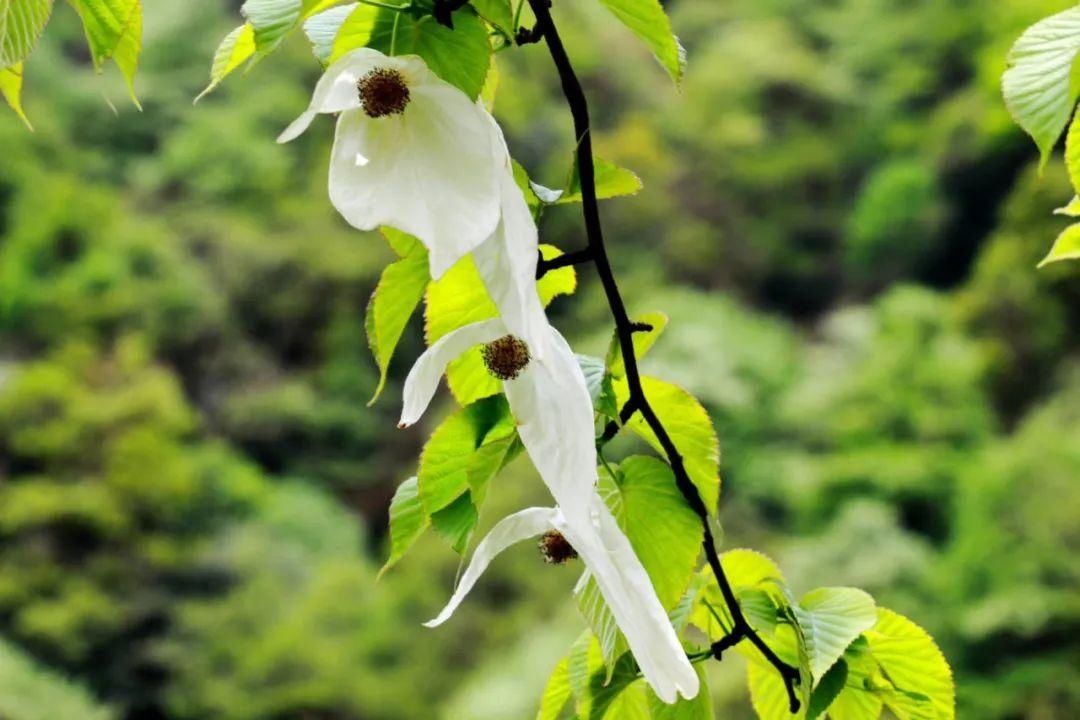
(550, 403)
(411, 151)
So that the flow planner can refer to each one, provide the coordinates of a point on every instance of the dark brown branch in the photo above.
(624, 328)
(543, 267)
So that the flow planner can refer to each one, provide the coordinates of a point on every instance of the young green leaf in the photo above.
(497, 13)
(400, 289)
(831, 619)
(1066, 246)
(690, 429)
(323, 29)
(611, 181)
(456, 521)
(450, 465)
(113, 30)
(460, 56)
(647, 19)
(1040, 84)
(21, 24)
(11, 88)
(407, 521)
(828, 689)
(556, 693)
(914, 665)
(235, 49)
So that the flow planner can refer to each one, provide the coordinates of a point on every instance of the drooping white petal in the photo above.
(507, 264)
(508, 531)
(629, 594)
(431, 171)
(336, 90)
(423, 378)
(552, 407)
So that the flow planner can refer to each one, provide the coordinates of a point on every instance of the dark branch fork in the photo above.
(624, 328)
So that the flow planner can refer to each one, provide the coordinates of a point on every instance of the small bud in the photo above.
(383, 92)
(506, 357)
(555, 548)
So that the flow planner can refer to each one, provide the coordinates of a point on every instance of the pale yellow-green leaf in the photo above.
(912, 662)
(322, 29)
(21, 24)
(235, 49)
(1066, 247)
(1041, 83)
(831, 619)
(11, 88)
(1070, 210)
(113, 30)
(690, 428)
(647, 19)
(556, 693)
(611, 181)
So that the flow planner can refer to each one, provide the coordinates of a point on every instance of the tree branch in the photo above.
(624, 329)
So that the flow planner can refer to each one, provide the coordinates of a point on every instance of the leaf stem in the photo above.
(624, 329)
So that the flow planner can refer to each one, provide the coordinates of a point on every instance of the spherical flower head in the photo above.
(556, 549)
(383, 91)
(506, 357)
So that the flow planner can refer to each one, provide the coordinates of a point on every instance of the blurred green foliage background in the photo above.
(838, 216)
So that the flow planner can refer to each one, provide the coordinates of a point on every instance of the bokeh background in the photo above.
(838, 216)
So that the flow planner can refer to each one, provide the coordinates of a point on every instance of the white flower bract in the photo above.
(431, 170)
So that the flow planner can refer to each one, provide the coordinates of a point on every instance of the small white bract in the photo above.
(411, 151)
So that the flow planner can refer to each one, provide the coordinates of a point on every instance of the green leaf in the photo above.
(647, 19)
(914, 665)
(322, 29)
(690, 429)
(460, 56)
(750, 574)
(768, 693)
(598, 382)
(456, 521)
(1041, 83)
(11, 88)
(611, 181)
(857, 701)
(498, 13)
(831, 619)
(643, 341)
(113, 30)
(664, 532)
(556, 693)
(21, 24)
(450, 464)
(1066, 247)
(1070, 210)
(400, 289)
(828, 689)
(237, 48)
(407, 521)
(458, 298)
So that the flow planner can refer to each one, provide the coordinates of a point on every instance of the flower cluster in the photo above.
(414, 153)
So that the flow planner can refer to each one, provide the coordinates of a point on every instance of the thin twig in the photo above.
(624, 329)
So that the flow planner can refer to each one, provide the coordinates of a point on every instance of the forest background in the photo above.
(839, 218)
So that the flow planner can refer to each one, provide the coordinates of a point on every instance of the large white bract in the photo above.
(430, 168)
(553, 411)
